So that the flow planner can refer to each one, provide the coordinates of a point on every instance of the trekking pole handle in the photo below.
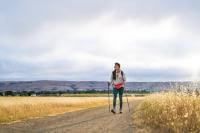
(108, 83)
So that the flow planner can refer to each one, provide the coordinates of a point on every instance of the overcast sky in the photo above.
(153, 40)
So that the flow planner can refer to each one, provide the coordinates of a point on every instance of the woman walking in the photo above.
(117, 81)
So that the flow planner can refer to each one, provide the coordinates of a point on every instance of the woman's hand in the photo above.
(108, 83)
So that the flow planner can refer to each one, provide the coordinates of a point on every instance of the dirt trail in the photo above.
(93, 120)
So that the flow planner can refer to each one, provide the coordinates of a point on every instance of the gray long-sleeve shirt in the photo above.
(119, 79)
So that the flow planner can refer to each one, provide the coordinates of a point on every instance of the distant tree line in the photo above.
(59, 93)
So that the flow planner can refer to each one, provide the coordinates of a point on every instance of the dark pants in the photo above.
(115, 92)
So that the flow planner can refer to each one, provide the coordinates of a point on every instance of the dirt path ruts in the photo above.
(93, 120)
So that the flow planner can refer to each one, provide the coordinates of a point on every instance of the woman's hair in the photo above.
(114, 72)
(117, 64)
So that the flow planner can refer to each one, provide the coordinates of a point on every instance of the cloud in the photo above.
(81, 40)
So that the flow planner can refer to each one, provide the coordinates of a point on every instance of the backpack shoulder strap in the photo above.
(122, 74)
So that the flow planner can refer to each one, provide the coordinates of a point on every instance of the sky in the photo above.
(78, 40)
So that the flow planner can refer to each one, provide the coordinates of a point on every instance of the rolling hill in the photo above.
(50, 85)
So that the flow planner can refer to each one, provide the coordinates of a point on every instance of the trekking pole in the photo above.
(127, 98)
(109, 96)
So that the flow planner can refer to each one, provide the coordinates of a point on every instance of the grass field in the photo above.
(21, 108)
(170, 112)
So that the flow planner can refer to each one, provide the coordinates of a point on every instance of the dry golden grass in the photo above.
(21, 108)
(170, 112)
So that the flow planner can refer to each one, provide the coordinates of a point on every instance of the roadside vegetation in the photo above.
(174, 112)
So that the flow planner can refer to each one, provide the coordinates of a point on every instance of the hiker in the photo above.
(117, 81)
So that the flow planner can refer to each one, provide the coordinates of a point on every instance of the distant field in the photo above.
(91, 95)
(21, 108)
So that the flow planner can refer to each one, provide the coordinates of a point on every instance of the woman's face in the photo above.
(116, 67)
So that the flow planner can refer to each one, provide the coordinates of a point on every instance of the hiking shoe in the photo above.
(113, 111)
(120, 111)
